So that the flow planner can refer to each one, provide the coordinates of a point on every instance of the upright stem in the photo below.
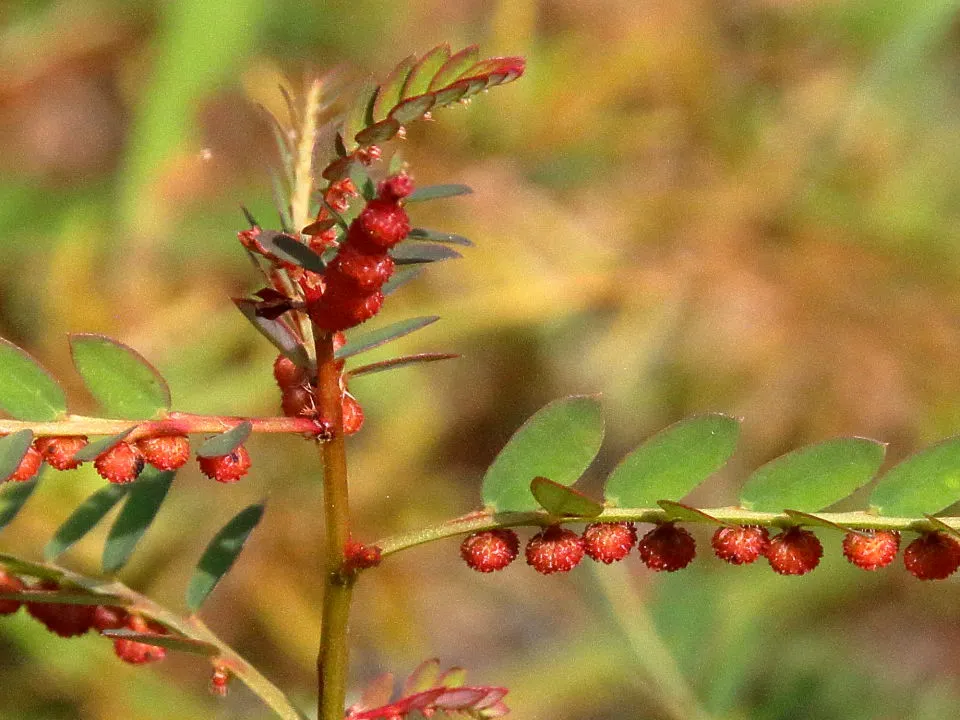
(333, 657)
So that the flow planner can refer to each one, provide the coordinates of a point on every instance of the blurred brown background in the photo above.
(747, 206)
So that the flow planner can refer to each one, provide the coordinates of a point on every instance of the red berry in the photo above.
(740, 544)
(298, 401)
(395, 187)
(358, 556)
(58, 452)
(667, 548)
(555, 549)
(379, 226)
(287, 373)
(609, 542)
(120, 464)
(226, 468)
(10, 584)
(352, 414)
(137, 653)
(220, 680)
(165, 452)
(339, 312)
(63, 619)
(108, 618)
(352, 270)
(794, 552)
(490, 550)
(28, 466)
(871, 550)
(932, 556)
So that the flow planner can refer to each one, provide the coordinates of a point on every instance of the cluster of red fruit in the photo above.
(124, 462)
(69, 620)
(298, 393)
(667, 547)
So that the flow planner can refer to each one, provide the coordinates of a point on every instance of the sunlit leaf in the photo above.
(359, 115)
(143, 503)
(441, 237)
(561, 500)
(412, 109)
(455, 67)
(391, 89)
(27, 391)
(12, 450)
(86, 517)
(420, 77)
(411, 253)
(92, 451)
(559, 441)
(925, 482)
(423, 677)
(170, 642)
(381, 336)
(436, 192)
(226, 442)
(14, 496)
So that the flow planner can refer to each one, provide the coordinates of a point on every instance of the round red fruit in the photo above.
(740, 544)
(108, 618)
(553, 550)
(28, 466)
(298, 401)
(352, 270)
(10, 584)
(226, 468)
(667, 548)
(339, 312)
(137, 653)
(490, 550)
(65, 620)
(287, 373)
(121, 464)
(380, 225)
(609, 542)
(932, 556)
(165, 452)
(58, 452)
(794, 552)
(396, 187)
(871, 550)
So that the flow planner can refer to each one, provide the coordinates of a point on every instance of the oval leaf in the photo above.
(401, 276)
(925, 482)
(121, 380)
(376, 338)
(561, 500)
(441, 237)
(411, 109)
(290, 249)
(12, 449)
(380, 132)
(814, 477)
(220, 554)
(144, 501)
(392, 88)
(359, 115)
(418, 81)
(226, 443)
(559, 441)
(27, 391)
(170, 642)
(14, 497)
(435, 192)
(453, 68)
(92, 451)
(679, 511)
(410, 253)
(274, 331)
(673, 462)
(86, 517)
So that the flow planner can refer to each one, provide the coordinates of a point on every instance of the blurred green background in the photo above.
(747, 206)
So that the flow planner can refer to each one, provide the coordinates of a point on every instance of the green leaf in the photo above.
(679, 511)
(274, 331)
(292, 250)
(453, 68)
(363, 183)
(93, 450)
(453, 93)
(381, 336)
(226, 442)
(12, 449)
(412, 109)
(559, 441)
(27, 391)
(411, 253)
(435, 192)
(925, 482)
(379, 132)
(359, 115)
(401, 276)
(125, 385)
(674, 461)
(49, 597)
(391, 89)
(441, 237)
(418, 81)
(221, 553)
(142, 505)
(561, 500)
(811, 478)
(399, 362)
(170, 642)
(14, 497)
(86, 517)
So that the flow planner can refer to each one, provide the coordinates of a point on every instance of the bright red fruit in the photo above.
(121, 464)
(794, 552)
(741, 544)
(287, 373)
(871, 550)
(490, 550)
(932, 556)
(137, 653)
(609, 542)
(352, 414)
(555, 549)
(10, 584)
(58, 452)
(63, 619)
(226, 468)
(28, 466)
(165, 452)
(667, 548)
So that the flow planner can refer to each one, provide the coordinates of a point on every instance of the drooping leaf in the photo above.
(401, 276)
(423, 677)
(925, 482)
(399, 362)
(12, 449)
(412, 109)
(453, 68)
(561, 500)
(441, 237)
(86, 517)
(379, 132)
(292, 250)
(226, 442)
(121, 380)
(170, 642)
(674, 461)
(412, 253)
(27, 391)
(391, 89)
(381, 336)
(143, 503)
(14, 496)
(93, 450)
(221, 553)
(559, 441)
(359, 115)
(436, 192)
(814, 477)
(679, 511)
(422, 74)
(274, 331)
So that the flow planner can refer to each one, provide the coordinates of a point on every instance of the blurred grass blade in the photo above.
(12, 450)
(121, 380)
(561, 500)
(221, 553)
(92, 450)
(143, 503)
(14, 497)
(27, 390)
(86, 517)
(170, 642)
(226, 442)
(391, 332)
(49, 597)
(926, 482)
(435, 192)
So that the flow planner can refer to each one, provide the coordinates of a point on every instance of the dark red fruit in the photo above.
(165, 452)
(226, 468)
(871, 550)
(667, 548)
(353, 271)
(609, 542)
(358, 556)
(108, 618)
(380, 225)
(298, 401)
(58, 452)
(10, 584)
(220, 680)
(932, 556)
(63, 619)
(287, 373)
(741, 544)
(121, 464)
(794, 552)
(340, 312)
(28, 466)
(490, 550)
(137, 653)
(555, 549)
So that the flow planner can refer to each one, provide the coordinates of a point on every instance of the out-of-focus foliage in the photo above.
(746, 207)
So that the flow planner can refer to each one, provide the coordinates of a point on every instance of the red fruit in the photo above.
(137, 653)
(358, 556)
(28, 466)
(165, 452)
(368, 155)
(63, 619)
(555, 549)
(667, 548)
(794, 552)
(932, 556)
(58, 452)
(609, 542)
(352, 270)
(741, 544)
(220, 680)
(120, 464)
(395, 187)
(339, 312)
(871, 550)
(298, 401)
(490, 550)
(287, 373)
(352, 414)
(10, 584)
(379, 226)
(226, 468)
(108, 618)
